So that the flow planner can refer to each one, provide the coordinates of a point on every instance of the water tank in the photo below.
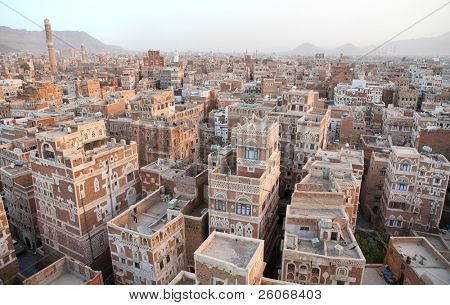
(427, 149)
(338, 250)
(172, 203)
(18, 162)
(326, 224)
(315, 242)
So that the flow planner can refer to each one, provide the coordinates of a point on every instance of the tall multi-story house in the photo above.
(171, 77)
(162, 139)
(346, 124)
(319, 246)
(334, 180)
(398, 123)
(243, 181)
(189, 180)
(8, 261)
(373, 185)
(414, 190)
(430, 128)
(80, 182)
(128, 79)
(90, 88)
(311, 135)
(153, 59)
(147, 241)
(19, 199)
(407, 98)
(151, 104)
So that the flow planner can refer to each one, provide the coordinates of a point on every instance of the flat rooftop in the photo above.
(235, 250)
(302, 240)
(373, 275)
(154, 217)
(424, 261)
(68, 278)
(17, 169)
(200, 209)
(310, 211)
(405, 151)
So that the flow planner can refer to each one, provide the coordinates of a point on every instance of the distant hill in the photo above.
(34, 41)
(433, 46)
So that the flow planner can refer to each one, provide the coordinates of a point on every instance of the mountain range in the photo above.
(432, 46)
(12, 40)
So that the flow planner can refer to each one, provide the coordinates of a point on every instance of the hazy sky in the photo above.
(233, 25)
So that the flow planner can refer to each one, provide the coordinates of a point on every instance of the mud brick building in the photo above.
(8, 261)
(19, 199)
(414, 190)
(415, 261)
(80, 182)
(243, 182)
(147, 241)
(66, 271)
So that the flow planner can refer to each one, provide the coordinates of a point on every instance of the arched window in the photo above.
(341, 271)
(96, 184)
(243, 207)
(48, 152)
(248, 230)
(239, 229)
(291, 267)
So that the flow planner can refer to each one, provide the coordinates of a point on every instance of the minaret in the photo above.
(176, 57)
(83, 53)
(51, 50)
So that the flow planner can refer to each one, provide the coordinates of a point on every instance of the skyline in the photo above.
(225, 32)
